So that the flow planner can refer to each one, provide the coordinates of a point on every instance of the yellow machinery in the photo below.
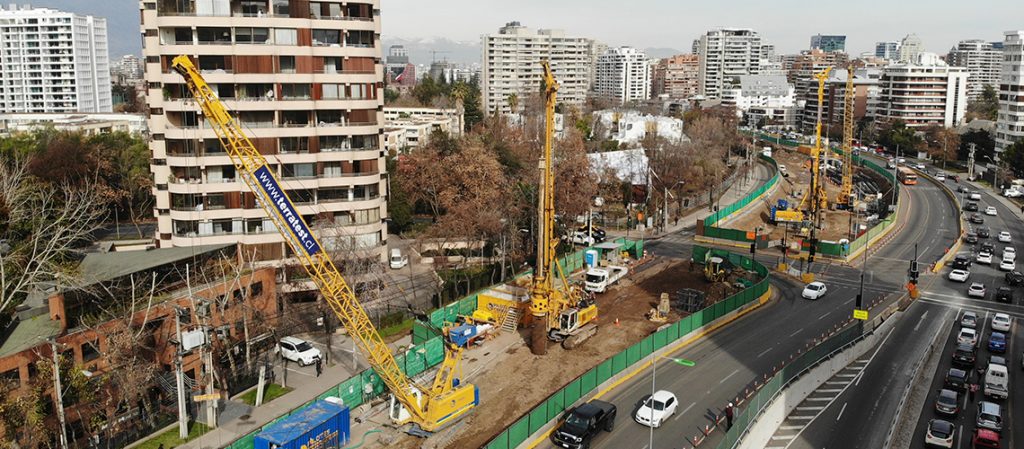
(559, 314)
(713, 270)
(818, 197)
(427, 407)
(846, 196)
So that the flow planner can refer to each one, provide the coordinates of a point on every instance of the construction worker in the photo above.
(319, 367)
(728, 417)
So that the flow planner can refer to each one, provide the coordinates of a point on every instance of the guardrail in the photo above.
(584, 386)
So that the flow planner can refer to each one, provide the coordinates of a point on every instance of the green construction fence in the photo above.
(586, 384)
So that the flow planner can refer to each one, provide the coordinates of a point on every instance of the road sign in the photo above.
(860, 314)
(206, 397)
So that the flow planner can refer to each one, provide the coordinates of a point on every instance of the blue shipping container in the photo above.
(322, 425)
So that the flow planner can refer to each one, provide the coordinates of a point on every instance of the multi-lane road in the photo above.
(731, 359)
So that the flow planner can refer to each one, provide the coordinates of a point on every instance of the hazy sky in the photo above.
(654, 23)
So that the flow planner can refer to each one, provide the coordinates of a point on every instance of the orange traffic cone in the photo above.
(616, 322)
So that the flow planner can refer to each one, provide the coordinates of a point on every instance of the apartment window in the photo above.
(333, 143)
(90, 351)
(332, 65)
(329, 118)
(12, 377)
(286, 64)
(254, 8)
(295, 91)
(246, 35)
(298, 170)
(333, 194)
(359, 91)
(332, 169)
(183, 36)
(327, 37)
(286, 36)
(302, 196)
(332, 91)
(214, 35)
(281, 8)
(294, 145)
(256, 289)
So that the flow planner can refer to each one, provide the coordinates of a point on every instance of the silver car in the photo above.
(990, 416)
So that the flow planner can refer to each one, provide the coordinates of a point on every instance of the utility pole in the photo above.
(59, 392)
(664, 215)
(970, 161)
(180, 377)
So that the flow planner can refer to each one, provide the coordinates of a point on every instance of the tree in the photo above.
(575, 185)
(425, 91)
(42, 223)
(984, 145)
(400, 207)
(1013, 157)
(513, 102)
(942, 142)
(986, 106)
(391, 96)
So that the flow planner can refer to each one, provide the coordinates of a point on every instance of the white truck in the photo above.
(598, 279)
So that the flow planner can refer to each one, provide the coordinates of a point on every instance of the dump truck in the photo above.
(598, 279)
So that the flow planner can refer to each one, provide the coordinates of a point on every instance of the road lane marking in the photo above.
(733, 373)
(811, 408)
(763, 352)
(820, 399)
(920, 320)
(841, 411)
(797, 332)
(783, 437)
(685, 410)
(823, 316)
(790, 427)
(836, 382)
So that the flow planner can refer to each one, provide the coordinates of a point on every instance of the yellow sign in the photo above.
(860, 314)
(206, 397)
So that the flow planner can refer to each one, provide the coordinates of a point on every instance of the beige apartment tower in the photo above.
(304, 80)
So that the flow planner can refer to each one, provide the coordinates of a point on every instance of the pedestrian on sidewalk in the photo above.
(728, 417)
(319, 367)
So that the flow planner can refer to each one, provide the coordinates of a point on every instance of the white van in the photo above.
(996, 384)
(397, 259)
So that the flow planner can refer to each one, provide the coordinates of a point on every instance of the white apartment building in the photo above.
(623, 75)
(90, 124)
(408, 128)
(726, 54)
(511, 65)
(982, 62)
(762, 97)
(888, 50)
(53, 61)
(1010, 122)
(304, 81)
(922, 94)
(911, 48)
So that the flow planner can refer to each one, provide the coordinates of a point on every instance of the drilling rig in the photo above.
(846, 197)
(558, 312)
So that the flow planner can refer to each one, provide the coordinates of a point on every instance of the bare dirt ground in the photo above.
(520, 380)
(792, 188)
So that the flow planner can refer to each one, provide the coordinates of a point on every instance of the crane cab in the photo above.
(440, 410)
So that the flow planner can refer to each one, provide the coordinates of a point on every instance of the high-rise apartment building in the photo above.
(304, 80)
(910, 48)
(888, 50)
(596, 50)
(865, 97)
(762, 99)
(511, 65)
(981, 61)
(53, 61)
(923, 94)
(623, 75)
(828, 42)
(677, 77)
(1010, 123)
(129, 67)
(725, 54)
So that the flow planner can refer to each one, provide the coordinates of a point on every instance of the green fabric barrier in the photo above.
(538, 417)
(555, 405)
(519, 431)
(572, 391)
(500, 442)
(588, 381)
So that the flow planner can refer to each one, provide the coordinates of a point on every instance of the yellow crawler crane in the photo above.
(846, 197)
(818, 197)
(427, 408)
(557, 313)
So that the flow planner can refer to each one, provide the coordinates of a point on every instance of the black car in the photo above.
(971, 238)
(947, 403)
(956, 379)
(988, 246)
(977, 219)
(961, 262)
(1004, 294)
(599, 234)
(1014, 278)
(964, 355)
(984, 232)
(963, 189)
(971, 207)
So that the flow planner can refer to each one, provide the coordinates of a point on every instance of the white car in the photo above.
(984, 257)
(1007, 264)
(1001, 322)
(1010, 253)
(940, 177)
(939, 433)
(991, 210)
(580, 238)
(976, 290)
(299, 351)
(919, 166)
(967, 337)
(975, 196)
(656, 409)
(1004, 237)
(959, 275)
(814, 290)
(969, 320)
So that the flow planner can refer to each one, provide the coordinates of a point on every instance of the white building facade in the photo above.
(921, 95)
(725, 54)
(53, 61)
(767, 98)
(305, 84)
(982, 62)
(511, 65)
(623, 75)
(888, 50)
(1010, 122)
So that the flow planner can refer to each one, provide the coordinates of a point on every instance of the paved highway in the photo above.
(732, 358)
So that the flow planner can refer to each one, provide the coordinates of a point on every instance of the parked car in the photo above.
(814, 290)
(1005, 237)
(939, 433)
(991, 210)
(969, 320)
(967, 336)
(965, 355)
(976, 290)
(984, 257)
(579, 238)
(1014, 278)
(984, 232)
(997, 343)
(977, 219)
(1004, 294)
(299, 351)
(971, 238)
(656, 409)
(1001, 322)
(398, 260)
(956, 379)
(985, 439)
(962, 262)
(947, 403)
(959, 275)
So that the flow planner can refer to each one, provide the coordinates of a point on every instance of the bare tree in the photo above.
(40, 225)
